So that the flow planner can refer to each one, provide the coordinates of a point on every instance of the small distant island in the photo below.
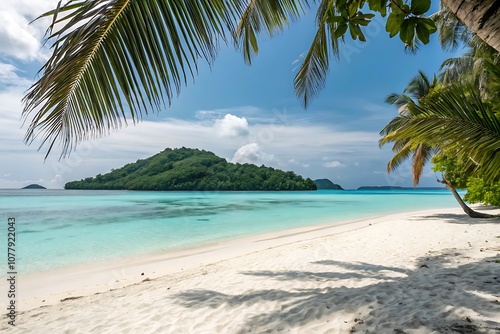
(193, 170)
(34, 186)
(398, 188)
(327, 184)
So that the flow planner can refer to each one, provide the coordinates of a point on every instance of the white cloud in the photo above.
(217, 113)
(298, 146)
(252, 154)
(303, 142)
(9, 77)
(18, 38)
(333, 164)
(231, 126)
(11, 134)
(297, 163)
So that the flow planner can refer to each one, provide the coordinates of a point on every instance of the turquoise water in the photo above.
(60, 228)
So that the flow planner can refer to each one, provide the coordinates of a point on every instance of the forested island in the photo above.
(327, 184)
(193, 170)
(34, 186)
(399, 188)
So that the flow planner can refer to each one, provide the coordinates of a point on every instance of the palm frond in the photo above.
(452, 33)
(398, 100)
(453, 69)
(419, 86)
(393, 125)
(119, 59)
(311, 77)
(459, 121)
(494, 84)
(402, 154)
(265, 15)
(422, 155)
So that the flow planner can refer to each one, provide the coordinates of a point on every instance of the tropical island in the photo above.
(398, 188)
(34, 186)
(327, 184)
(189, 169)
(432, 271)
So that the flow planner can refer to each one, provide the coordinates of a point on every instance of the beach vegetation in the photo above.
(115, 60)
(193, 170)
(458, 119)
(418, 89)
(457, 175)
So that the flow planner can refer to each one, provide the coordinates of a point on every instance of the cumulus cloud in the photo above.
(293, 147)
(333, 164)
(231, 126)
(18, 38)
(252, 154)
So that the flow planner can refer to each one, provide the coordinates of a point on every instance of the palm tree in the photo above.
(472, 65)
(482, 17)
(454, 120)
(417, 90)
(115, 60)
(421, 109)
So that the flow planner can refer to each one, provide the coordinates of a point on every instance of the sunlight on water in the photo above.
(59, 228)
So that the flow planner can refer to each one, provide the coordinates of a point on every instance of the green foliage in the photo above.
(418, 90)
(457, 117)
(327, 184)
(114, 61)
(452, 168)
(404, 19)
(479, 188)
(192, 169)
(481, 191)
(457, 120)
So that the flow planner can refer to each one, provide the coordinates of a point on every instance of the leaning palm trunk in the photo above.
(471, 213)
(481, 16)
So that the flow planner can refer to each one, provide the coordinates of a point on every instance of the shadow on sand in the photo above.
(433, 298)
(462, 218)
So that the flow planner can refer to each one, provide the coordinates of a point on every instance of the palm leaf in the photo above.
(119, 59)
(393, 125)
(457, 120)
(269, 15)
(311, 77)
(422, 155)
(403, 150)
(399, 101)
(451, 32)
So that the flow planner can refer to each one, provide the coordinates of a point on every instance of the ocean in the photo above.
(56, 229)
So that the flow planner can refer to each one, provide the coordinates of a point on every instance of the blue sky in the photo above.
(242, 113)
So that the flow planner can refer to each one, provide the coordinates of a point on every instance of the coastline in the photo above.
(82, 280)
(386, 248)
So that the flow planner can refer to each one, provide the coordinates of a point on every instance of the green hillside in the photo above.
(327, 184)
(192, 169)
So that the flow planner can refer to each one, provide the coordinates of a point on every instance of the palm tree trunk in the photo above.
(471, 213)
(481, 16)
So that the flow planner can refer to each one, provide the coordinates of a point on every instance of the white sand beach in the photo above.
(428, 272)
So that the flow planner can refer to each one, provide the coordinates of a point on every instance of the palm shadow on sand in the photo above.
(462, 218)
(441, 289)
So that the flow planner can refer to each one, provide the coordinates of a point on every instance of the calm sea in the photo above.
(60, 228)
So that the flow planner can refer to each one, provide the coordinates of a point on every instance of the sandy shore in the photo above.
(426, 272)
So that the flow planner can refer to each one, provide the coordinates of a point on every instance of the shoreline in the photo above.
(50, 287)
(415, 272)
(82, 280)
